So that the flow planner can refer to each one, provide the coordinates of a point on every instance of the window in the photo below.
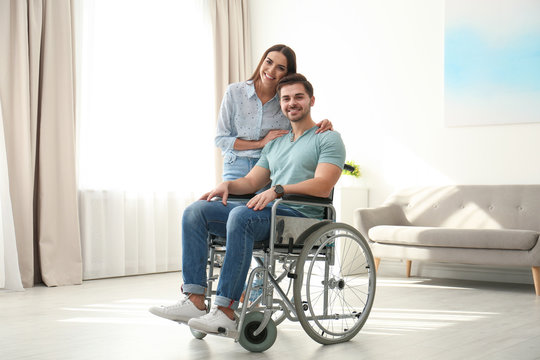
(146, 96)
(145, 129)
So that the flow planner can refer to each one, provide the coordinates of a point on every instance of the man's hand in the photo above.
(222, 190)
(259, 201)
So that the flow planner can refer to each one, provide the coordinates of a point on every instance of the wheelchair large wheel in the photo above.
(262, 341)
(335, 283)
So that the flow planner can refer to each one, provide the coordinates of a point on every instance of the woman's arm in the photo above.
(241, 144)
(225, 134)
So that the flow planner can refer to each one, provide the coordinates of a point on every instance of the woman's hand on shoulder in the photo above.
(272, 134)
(324, 125)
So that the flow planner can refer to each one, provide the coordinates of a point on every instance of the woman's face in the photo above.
(273, 68)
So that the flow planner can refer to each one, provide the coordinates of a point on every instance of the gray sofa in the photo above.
(465, 224)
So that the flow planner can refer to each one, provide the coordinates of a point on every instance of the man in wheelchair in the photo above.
(300, 162)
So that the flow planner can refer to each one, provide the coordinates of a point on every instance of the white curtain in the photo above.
(128, 233)
(10, 276)
(146, 129)
(37, 87)
(232, 49)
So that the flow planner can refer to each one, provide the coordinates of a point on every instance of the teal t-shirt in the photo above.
(291, 162)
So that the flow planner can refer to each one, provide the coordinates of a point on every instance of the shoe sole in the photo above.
(165, 316)
(219, 330)
(168, 317)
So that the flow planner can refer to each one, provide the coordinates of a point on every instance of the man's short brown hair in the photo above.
(295, 79)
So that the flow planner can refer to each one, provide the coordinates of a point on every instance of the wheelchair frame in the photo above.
(256, 330)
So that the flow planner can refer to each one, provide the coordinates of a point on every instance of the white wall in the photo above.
(377, 70)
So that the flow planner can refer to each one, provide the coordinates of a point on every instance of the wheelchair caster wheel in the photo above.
(197, 334)
(262, 341)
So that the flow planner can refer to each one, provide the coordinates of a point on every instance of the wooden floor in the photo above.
(412, 318)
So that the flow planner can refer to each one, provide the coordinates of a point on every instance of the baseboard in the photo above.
(390, 267)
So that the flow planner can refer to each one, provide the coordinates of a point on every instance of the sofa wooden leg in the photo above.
(536, 279)
(409, 263)
(377, 262)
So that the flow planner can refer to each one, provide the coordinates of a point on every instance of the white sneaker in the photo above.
(181, 311)
(213, 322)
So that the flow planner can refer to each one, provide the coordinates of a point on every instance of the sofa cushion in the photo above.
(470, 206)
(455, 238)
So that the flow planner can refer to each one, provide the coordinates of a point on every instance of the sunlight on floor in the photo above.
(399, 321)
(382, 320)
(392, 321)
(135, 311)
(421, 283)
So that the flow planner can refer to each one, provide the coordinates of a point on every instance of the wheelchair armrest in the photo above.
(241, 197)
(289, 197)
(307, 198)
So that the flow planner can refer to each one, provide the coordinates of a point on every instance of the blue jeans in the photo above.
(235, 167)
(241, 226)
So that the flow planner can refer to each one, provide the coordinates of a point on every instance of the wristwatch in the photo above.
(279, 190)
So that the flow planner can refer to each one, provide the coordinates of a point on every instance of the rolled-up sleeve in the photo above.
(226, 133)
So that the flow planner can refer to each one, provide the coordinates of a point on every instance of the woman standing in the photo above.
(250, 114)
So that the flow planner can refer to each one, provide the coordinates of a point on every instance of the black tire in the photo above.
(335, 284)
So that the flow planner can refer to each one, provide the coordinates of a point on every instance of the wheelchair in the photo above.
(317, 272)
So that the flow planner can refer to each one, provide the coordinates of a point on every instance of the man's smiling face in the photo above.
(295, 102)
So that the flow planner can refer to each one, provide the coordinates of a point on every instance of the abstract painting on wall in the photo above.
(492, 62)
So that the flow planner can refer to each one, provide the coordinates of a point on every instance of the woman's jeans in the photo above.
(241, 226)
(235, 167)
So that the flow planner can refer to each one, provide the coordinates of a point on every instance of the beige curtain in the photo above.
(232, 50)
(38, 97)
